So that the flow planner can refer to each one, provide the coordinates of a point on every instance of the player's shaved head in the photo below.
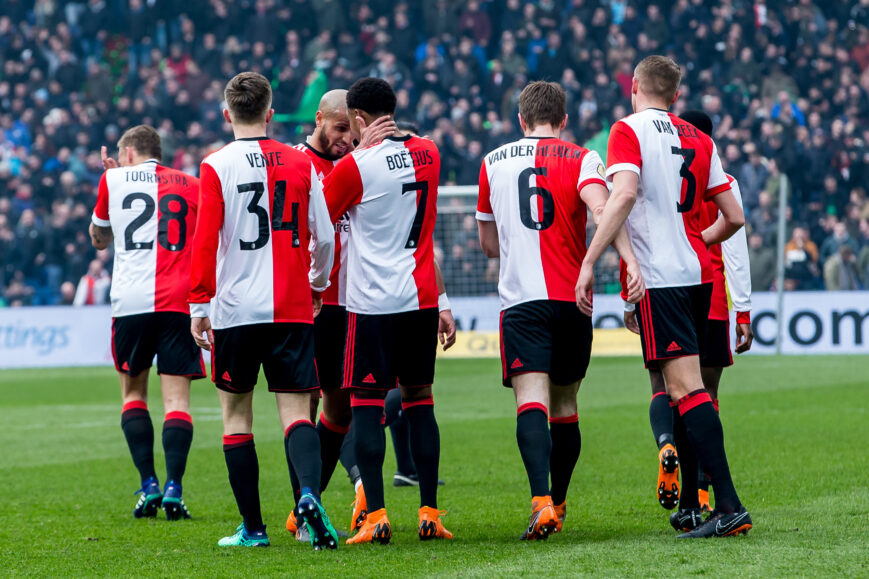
(659, 77)
(333, 103)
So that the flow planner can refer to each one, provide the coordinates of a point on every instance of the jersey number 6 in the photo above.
(527, 192)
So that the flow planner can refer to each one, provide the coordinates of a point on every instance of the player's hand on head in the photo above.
(376, 132)
(108, 162)
(631, 322)
(636, 285)
(202, 332)
(744, 338)
(446, 329)
(584, 285)
(316, 303)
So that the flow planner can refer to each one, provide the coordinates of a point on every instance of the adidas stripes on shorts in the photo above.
(384, 350)
(548, 336)
(285, 351)
(673, 322)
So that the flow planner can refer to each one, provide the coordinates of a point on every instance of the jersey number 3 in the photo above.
(690, 181)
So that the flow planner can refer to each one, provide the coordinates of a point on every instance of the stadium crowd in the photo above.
(785, 81)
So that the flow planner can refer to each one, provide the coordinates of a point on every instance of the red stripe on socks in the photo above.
(573, 418)
(528, 406)
(693, 400)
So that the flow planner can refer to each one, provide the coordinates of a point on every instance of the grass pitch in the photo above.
(796, 431)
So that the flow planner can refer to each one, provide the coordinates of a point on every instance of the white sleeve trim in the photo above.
(621, 167)
(485, 216)
(100, 222)
(734, 252)
(200, 310)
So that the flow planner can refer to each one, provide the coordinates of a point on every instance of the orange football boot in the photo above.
(360, 509)
(543, 520)
(668, 477)
(430, 525)
(291, 522)
(561, 512)
(375, 528)
(703, 497)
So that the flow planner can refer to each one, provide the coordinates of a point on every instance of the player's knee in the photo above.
(414, 394)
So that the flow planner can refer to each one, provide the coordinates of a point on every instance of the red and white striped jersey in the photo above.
(152, 212)
(389, 191)
(729, 263)
(679, 169)
(335, 294)
(530, 189)
(261, 203)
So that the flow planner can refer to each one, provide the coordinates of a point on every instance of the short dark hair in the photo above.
(543, 103)
(659, 76)
(407, 127)
(248, 97)
(371, 95)
(144, 140)
(699, 119)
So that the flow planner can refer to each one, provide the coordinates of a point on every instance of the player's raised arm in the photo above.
(486, 226)
(203, 271)
(100, 228)
(342, 188)
(322, 236)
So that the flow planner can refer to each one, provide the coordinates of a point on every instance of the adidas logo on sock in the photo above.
(516, 364)
(673, 347)
(369, 379)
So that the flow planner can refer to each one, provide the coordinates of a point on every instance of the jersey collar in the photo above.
(263, 138)
(402, 138)
(315, 151)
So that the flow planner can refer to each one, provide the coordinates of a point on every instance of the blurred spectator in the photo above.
(762, 263)
(840, 270)
(801, 261)
(788, 92)
(93, 287)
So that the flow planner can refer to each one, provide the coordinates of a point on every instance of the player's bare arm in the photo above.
(101, 237)
(595, 196)
(616, 212)
(488, 232)
(446, 323)
(730, 220)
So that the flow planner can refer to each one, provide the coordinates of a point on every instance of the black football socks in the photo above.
(661, 419)
(331, 440)
(687, 462)
(177, 437)
(139, 432)
(535, 445)
(425, 445)
(707, 437)
(566, 446)
(241, 463)
(302, 445)
(370, 448)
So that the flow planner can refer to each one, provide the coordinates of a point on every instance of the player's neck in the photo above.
(249, 131)
(543, 131)
(644, 103)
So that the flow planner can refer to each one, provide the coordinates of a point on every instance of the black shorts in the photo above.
(138, 338)
(673, 322)
(716, 353)
(384, 350)
(284, 350)
(330, 330)
(548, 336)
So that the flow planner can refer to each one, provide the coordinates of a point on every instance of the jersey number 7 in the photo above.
(416, 228)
